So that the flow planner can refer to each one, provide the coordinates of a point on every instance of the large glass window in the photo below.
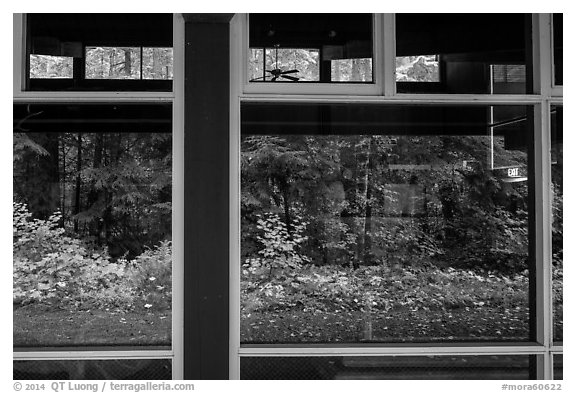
(310, 48)
(92, 225)
(107, 52)
(463, 53)
(557, 171)
(383, 223)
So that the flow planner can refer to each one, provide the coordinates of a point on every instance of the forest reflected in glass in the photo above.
(92, 252)
(557, 171)
(415, 236)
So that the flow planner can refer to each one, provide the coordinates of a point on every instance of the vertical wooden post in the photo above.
(206, 193)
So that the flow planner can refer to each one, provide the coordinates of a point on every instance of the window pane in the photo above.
(351, 70)
(50, 67)
(157, 63)
(119, 369)
(92, 225)
(466, 46)
(297, 64)
(371, 223)
(423, 68)
(310, 48)
(389, 367)
(557, 23)
(256, 64)
(112, 63)
(508, 79)
(557, 171)
(558, 367)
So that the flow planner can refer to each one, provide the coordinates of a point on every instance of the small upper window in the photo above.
(463, 53)
(557, 24)
(111, 52)
(329, 48)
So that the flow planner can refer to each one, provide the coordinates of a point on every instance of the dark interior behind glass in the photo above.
(390, 367)
(119, 369)
(557, 25)
(477, 53)
(310, 48)
(72, 37)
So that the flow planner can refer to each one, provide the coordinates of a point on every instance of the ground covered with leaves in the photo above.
(37, 325)
(380, 304)
(394, 326)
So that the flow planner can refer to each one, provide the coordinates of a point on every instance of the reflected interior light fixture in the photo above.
(277, 72)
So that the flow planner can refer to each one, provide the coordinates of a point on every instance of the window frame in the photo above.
(385, 79)
(176, 97)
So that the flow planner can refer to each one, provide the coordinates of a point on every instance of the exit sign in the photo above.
(511, 174)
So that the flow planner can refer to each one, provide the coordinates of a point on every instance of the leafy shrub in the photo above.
(151, 276)
(50, 266)
(53, 268)
(405, 243)
(495, 240)
(557, 285)
(280, 248)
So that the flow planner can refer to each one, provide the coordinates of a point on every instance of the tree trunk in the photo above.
(53, 171)
(367, 259)
(127, 63)
(101, 71)
(156, 69)
(112, 64)
(360, 194)
(336, 75)
(366, 70)
(96, 197)
(287, 217)
(115, 154)
(62, 184)
(425, 212)
(42, 189)
(77, 207)
(355, 74)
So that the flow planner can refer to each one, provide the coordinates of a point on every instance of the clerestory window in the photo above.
(103, 52)
(327, 48)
